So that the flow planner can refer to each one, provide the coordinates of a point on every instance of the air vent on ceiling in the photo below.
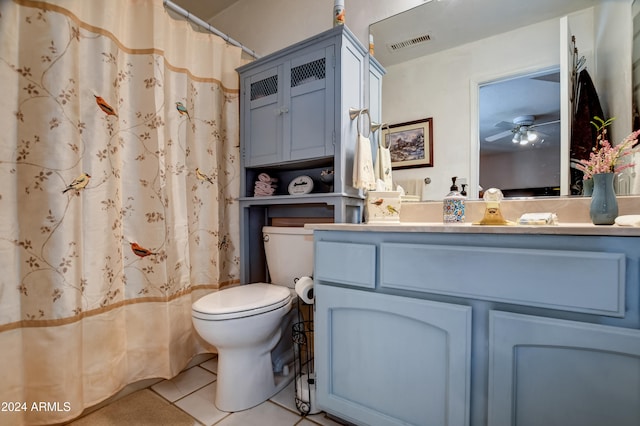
(411, 42)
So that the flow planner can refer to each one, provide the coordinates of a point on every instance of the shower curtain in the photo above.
(119, 165)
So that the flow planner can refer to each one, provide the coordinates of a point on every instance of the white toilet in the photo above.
(250, 325)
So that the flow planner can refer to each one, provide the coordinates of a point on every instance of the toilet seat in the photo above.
(242, 301)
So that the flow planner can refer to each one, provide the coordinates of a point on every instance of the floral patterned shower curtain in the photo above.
(119, 166)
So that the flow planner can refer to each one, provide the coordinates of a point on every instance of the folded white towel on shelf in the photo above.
(363, 174)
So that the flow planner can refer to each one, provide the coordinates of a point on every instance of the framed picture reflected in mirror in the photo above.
(410, 144)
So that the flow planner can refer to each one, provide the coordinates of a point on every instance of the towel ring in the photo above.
(380, 141)
(355, 113)
(365, 111)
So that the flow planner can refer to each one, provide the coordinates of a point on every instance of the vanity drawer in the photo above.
(578, 281)
(346, 263)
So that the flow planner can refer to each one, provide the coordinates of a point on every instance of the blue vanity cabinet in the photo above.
(385, 359)
(427, 328)
(545, 371)
(391, 360)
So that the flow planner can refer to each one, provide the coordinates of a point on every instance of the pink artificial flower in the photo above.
(606, 158)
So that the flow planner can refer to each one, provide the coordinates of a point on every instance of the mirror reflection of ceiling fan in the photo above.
(523, 130)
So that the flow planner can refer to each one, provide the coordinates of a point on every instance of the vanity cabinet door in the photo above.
(391, 360)
(545, 371)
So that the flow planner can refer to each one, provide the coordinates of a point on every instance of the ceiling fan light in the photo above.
(531, 136)
(516, 138)
(524, 141)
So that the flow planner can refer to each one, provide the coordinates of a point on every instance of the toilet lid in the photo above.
(241, 301)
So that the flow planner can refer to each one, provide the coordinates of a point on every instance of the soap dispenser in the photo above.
(453, 204)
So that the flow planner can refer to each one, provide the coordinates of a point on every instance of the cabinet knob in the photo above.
(283, 110)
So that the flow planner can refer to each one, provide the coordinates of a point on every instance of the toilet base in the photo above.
(257, 385)
(247, 347)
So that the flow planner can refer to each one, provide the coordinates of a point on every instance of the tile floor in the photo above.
(193, 392)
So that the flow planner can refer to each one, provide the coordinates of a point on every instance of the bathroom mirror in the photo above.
(519, 134)
(437, 54)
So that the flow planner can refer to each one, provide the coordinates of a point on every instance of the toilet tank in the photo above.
(289, 252)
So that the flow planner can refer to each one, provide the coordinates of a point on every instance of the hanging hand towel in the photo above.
(383, 167)
(363, 175)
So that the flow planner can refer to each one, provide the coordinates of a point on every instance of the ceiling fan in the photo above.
(522, 130)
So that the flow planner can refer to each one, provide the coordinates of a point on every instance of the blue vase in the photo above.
(587, 187)
(604, 205)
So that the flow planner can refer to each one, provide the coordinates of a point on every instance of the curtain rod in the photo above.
(185, 14)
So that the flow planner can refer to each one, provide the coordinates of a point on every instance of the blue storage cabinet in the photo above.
(288, 109)
(294, 120)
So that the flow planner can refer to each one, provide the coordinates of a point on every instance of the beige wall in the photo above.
(267, 26)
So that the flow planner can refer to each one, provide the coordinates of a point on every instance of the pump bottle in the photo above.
(453, 204)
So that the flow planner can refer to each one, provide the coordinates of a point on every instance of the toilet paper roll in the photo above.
(304, 289)
(306, 392)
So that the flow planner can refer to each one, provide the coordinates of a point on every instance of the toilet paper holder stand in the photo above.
(304, 377)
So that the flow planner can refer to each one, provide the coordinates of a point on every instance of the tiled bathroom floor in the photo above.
(187, 399)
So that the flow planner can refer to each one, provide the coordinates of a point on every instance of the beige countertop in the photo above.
(572, 213)
(468, 228)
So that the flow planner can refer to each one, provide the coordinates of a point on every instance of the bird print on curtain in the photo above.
(202, 177)
(182, 109)
(78, 183)
(104, 106)
(140, 251)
